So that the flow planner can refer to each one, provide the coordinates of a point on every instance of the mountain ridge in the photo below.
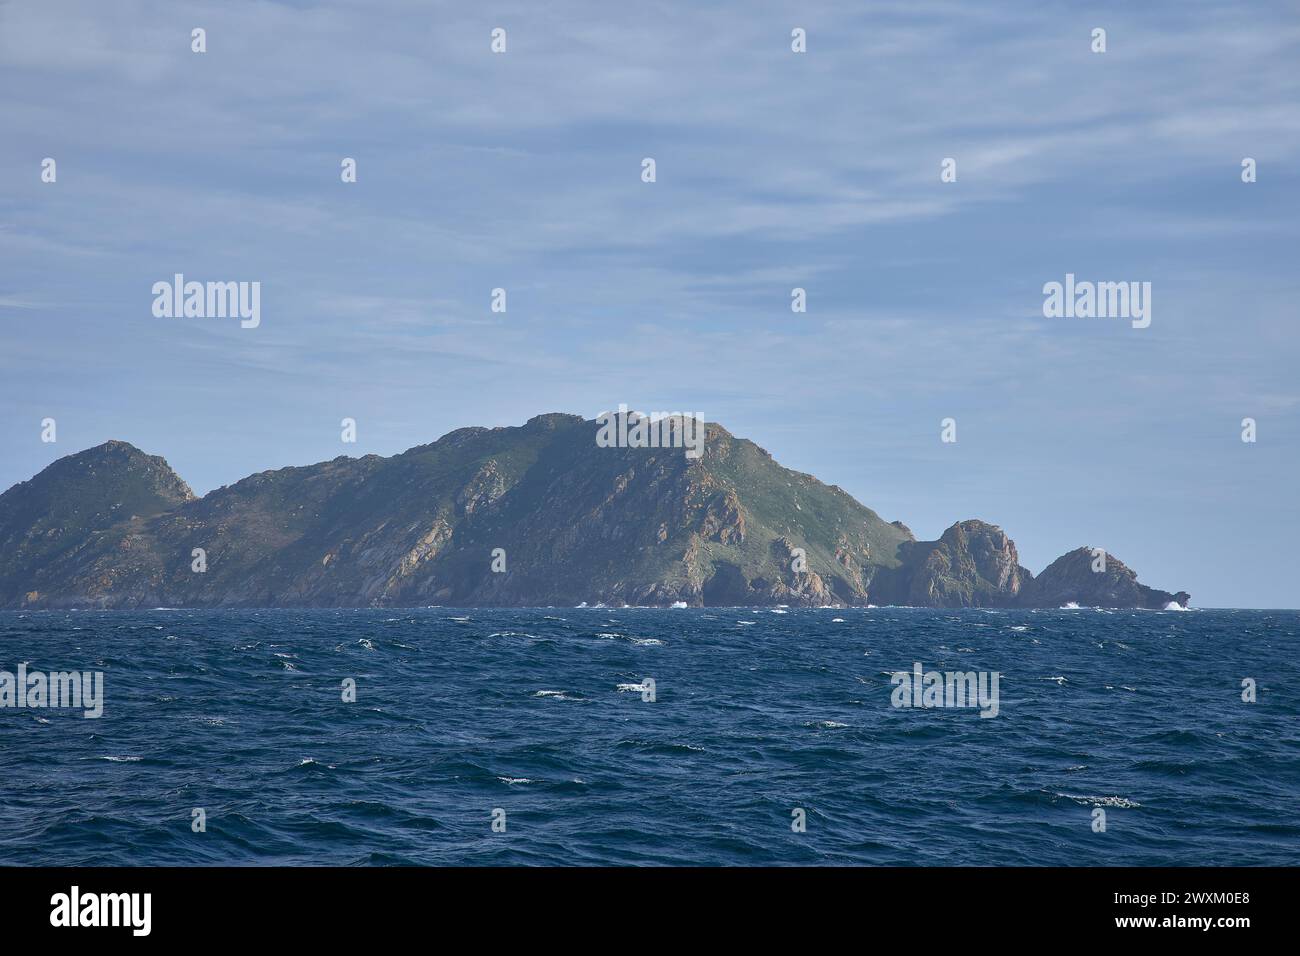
(532, 515)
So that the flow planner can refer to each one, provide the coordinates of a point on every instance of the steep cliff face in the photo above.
(973, 564)
(1085, 578)
(539, 514)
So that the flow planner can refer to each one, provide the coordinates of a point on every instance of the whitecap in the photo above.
(555, 694)
(1121, 802)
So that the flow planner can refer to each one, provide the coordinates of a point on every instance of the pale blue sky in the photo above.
(774, 170)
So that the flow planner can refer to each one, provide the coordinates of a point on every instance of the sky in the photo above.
(774, 170)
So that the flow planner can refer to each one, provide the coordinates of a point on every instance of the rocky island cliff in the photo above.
(534, 515)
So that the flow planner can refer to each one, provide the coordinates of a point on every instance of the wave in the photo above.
(744, 732)
(557, 695)
(1120, 802)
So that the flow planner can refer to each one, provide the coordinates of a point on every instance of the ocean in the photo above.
(716, 736)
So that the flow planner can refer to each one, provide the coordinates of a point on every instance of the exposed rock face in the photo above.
(572, 522)
(1080, 578)
(98, 499)
(973, 564)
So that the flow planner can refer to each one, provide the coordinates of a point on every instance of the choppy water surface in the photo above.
(535, 712)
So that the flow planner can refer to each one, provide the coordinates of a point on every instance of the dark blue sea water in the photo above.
(756, 714)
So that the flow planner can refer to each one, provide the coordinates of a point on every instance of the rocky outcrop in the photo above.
(540, 514)
(973, 564)
(1089, 577)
